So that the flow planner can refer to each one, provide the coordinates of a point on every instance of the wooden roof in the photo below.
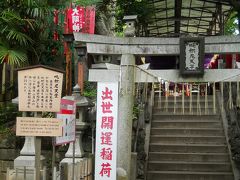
(174, 18)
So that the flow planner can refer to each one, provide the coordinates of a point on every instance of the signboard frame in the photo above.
(184, 41)
(35, 93)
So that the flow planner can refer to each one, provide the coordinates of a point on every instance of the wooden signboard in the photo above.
(192, 56)
(39, 89)
(32, 126)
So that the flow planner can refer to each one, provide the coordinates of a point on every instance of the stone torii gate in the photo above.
(127, 74)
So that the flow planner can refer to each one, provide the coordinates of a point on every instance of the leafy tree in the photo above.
(13, 39)
(231, 26)
(132, 7)
(25, 31)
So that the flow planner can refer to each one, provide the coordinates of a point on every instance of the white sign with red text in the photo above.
(68, 118)
(106, 131)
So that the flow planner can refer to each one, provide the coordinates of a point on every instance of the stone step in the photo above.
(189, 166)
(157, 116)
(193, 131)
(179, 106)
(179, 110)
(186, 124)
(188, 139)
(188, 175)
(196, 157)
(187, 113)
(162, 102)
(188, 148)
(194, 97)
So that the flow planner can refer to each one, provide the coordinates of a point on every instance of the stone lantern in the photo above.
(82, 103)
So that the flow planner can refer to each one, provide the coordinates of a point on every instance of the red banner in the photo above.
(89, 20)
(81, 19)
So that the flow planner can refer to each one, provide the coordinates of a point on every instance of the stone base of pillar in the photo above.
(24, 166)
(121, 174)
(27, 161)
(70, 160)
(66, 170)
(133, 165)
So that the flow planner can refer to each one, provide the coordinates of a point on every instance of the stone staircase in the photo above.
(187, 146)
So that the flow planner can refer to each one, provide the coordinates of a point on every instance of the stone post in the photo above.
(27, 154)
(126, 102)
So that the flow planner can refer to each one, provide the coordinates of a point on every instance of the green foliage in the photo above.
(132, 7)
(13, 39)
(90, 90)
(8, 112)
(231, 25)
(26, 32)
(86, 2)
(136, 111)
(6, 132)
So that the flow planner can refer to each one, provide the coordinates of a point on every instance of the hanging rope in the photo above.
(206, 99)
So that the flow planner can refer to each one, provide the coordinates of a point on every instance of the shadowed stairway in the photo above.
(189, 146)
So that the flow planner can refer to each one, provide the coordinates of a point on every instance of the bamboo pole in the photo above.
(175, 97)
(198, 101)
(206, 99)
(222, 97)
(214, 98)
(159, 97)
(166, 96)
(183, 98)
(190, 106)
(230, 101)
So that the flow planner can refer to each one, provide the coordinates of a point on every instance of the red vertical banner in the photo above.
(89, 20)
(76, 19)
(81, 19)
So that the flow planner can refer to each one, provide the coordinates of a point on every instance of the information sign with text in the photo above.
(33, 126)
(39, 89)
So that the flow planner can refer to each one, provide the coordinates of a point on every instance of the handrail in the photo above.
(225, 127)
